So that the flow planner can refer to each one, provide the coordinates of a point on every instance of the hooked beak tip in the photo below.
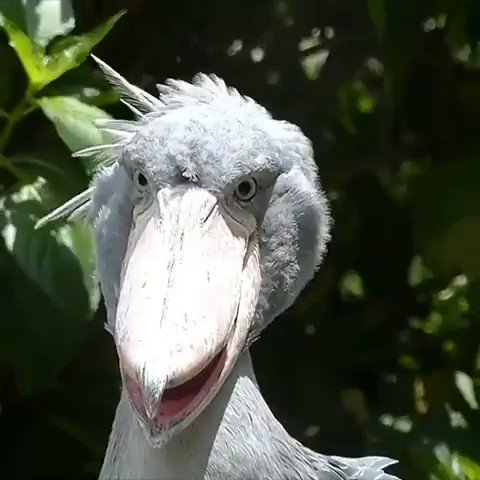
(144, 400)
(151, 401)
(151, 412)
(145, 395)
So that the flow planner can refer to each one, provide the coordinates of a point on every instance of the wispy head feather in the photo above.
(174, 94)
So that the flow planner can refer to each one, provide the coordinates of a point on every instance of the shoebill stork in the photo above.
(209, 220)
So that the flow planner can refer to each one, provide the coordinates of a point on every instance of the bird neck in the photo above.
(236, 437)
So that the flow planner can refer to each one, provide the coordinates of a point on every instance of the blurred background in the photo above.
(380, 354)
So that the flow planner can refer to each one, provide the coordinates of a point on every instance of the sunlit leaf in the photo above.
(409, 362)
(72, 51)
(60, 261)
(29, 55)
(453, 466)
(74, 121)
(465, 385)
(470, 467)
(59, 264)
(66, 54)
(351, 285)
(417, 272)
(313, 62)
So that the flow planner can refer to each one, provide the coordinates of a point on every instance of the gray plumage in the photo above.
(207, 135)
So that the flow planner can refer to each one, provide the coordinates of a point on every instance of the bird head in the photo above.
(209, 220)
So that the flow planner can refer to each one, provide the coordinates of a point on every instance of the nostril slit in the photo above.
(209, 215)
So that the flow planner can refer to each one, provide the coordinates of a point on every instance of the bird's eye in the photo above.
(246, 190)
(141, 179)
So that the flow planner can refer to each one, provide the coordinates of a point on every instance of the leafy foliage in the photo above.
(49, 292)
(384, 345)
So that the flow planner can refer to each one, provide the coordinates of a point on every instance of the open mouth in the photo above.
(179, 401)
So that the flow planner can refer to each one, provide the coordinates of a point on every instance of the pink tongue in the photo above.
(182, 399)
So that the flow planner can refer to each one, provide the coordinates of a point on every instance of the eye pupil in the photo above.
(246, 190)
(142, 179)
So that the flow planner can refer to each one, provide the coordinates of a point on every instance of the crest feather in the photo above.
(141, 100)
(173, 94)
(94, 150)
(67, 209)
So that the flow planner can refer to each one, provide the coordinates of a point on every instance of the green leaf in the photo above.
(59, 261)
(351, 285)
(55, 277)
(470, 467)
(74, 121)
(464, 383)
(70, 52)
(37, 339)
(29, 55)
(41, 20)
(64, 176)
(67, 54)
(85, 83)
(378, 16)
